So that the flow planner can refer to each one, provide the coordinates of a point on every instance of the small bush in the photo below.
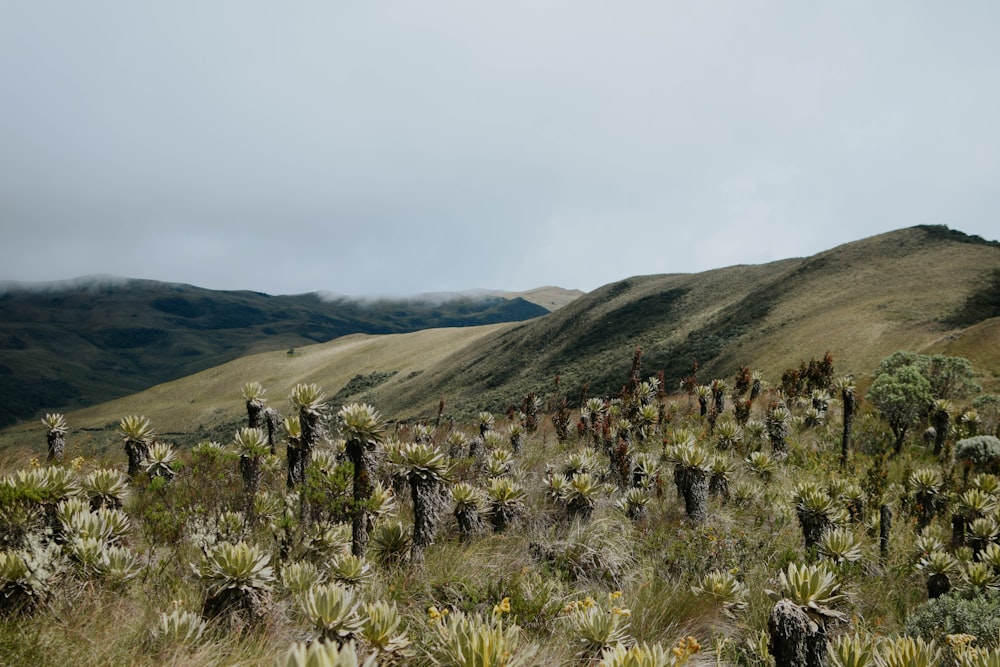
(952, 614)
(981, 451)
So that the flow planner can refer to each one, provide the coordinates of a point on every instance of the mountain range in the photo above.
(927, 289)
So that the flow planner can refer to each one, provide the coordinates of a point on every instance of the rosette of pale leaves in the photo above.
(307, 398)
(583, 460)
(106, 488)
(333, 611)
(136, 427)
(498, 463)
(649, 655)
(728, 592)
(45, 485)
(381, 629)
(812, 587)
(761, 464)
(117, 565)
(938, 562)
(254, 391)
(979, 577)
(390, 542)
(178, 628)
(840, 545)
(986, 482)
(908, 652)
(595, 628)
(422, 462)
(857, 650)
(56, 423)
(461, 640)
(633, 503)
(235, 574)
(21, 586)
(350, 570)
(159, 459)
(325, 654)
(298, 577)
(251, 443)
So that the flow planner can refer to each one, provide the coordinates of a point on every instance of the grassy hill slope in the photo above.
(922, 289)
(69, 346)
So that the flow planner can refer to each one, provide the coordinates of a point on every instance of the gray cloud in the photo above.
(399, 148)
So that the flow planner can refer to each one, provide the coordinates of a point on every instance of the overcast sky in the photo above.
(403, 147)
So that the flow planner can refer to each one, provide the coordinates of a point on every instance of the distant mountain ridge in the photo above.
(926, 289)
(70, 343)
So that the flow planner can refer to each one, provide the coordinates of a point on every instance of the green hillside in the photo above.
(922, 289)
(63, 347)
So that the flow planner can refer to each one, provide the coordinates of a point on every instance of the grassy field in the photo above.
(647, 574)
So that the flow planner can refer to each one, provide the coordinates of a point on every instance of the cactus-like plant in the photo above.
(855, 650)
(634, 503)
(505, 500)
(137, 433)
(381, 631)
(468, 502)
(325, 654)
(333, 611)
(595, 628)
(908, 652)
(726, 591)
(56, 436)
(159, 457)
(106, 488)
(390, 542)
(239, 578)
(470, 640)
(178, 628)
(840, 545)
(363, 429)
(350, 570)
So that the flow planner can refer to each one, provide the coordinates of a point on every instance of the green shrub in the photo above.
(981, 451)
(952, 614)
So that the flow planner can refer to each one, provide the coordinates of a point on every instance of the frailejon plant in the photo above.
(725, 591)
(363, 429)
(159, 459)
(325, 654)
(595, 627)
(649, 655)
(56, 436)
(798, 621)
(692, 472)
(350, 570)
(333, 611)
(634, 503)
(299, 576)
(390, 542)
(425, 467)
(908, 652)
(468, 505)
(817, 512)
(178, 628)
(854, 650)
(252, 446)
(927, 485)
(308, 401)
(253, 394)
(106, 488)
(840, 545)
(940, 568)
(505, 500)
(137, 433)
(472, 640)
(381, 631)
(239, 579)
